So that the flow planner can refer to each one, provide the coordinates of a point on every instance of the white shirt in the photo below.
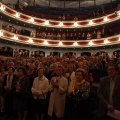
(40, 85)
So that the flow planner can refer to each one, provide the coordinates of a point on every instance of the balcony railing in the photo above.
(59, 24)
(59, 43)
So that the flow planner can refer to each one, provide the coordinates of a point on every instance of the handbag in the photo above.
(43, 101)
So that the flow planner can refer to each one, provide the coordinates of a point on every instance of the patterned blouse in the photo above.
(83, 91)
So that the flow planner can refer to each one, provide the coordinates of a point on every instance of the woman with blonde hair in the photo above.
(79, 97)
(58, 88)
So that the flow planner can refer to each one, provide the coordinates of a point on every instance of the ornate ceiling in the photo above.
(60, 3)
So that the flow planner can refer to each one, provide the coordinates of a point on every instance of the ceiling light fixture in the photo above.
(119, 39)
(45, 42)
(90, 43)
(75, 24)
(31, 20)
(60, 43)
(75, 44)
(106, 41)
(106, 19)
(91, 22)
(17, 15)
(1, 33)
(61, 24)
(46, 22)
(117, 12)
(30, 40)
(2, 7)
(15, 37)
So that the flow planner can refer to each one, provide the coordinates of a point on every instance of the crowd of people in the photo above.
(59, 88)
(15, 29)
(81, 35)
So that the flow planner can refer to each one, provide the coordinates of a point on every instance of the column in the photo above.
(64, 7)
(79, 9)
(110, 3)
(49, 10)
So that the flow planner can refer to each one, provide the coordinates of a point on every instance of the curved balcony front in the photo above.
(59, 43)
(59, 24)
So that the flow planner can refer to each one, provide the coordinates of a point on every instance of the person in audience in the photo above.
(71, 36)
(70, 75)
(98, 13)
(109, 93)
(103, 34)
(94, 14)
(83, 37)
(52, 71)
(39, 90)
(79, 36)
(109, 32)
(8, 87)
(16, 53)
(88, 36)
(102, 11)
(32, 34)
(59, 18)
(75, 18)
(88, 75)
(94, 35)
(75, 36)
(118, 63)
(48, 36)
(58, 88)
(79, 97)
(67, 36)
(43, 35)
(32, 54)
(98, 34)
(63, 18)
(2, 74)
(21, 94)
(96, 68)
(63, 36)
(58, 36)
(21, 53)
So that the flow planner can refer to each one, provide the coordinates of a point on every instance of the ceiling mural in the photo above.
(59, 3)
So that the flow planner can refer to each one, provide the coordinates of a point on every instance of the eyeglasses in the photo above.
(111, 69)
(78, 74)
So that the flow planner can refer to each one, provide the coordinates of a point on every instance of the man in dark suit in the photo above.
(109, 93)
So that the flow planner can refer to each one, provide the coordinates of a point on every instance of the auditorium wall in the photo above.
(47, 50)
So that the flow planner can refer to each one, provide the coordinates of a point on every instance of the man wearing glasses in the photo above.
(109, 93)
